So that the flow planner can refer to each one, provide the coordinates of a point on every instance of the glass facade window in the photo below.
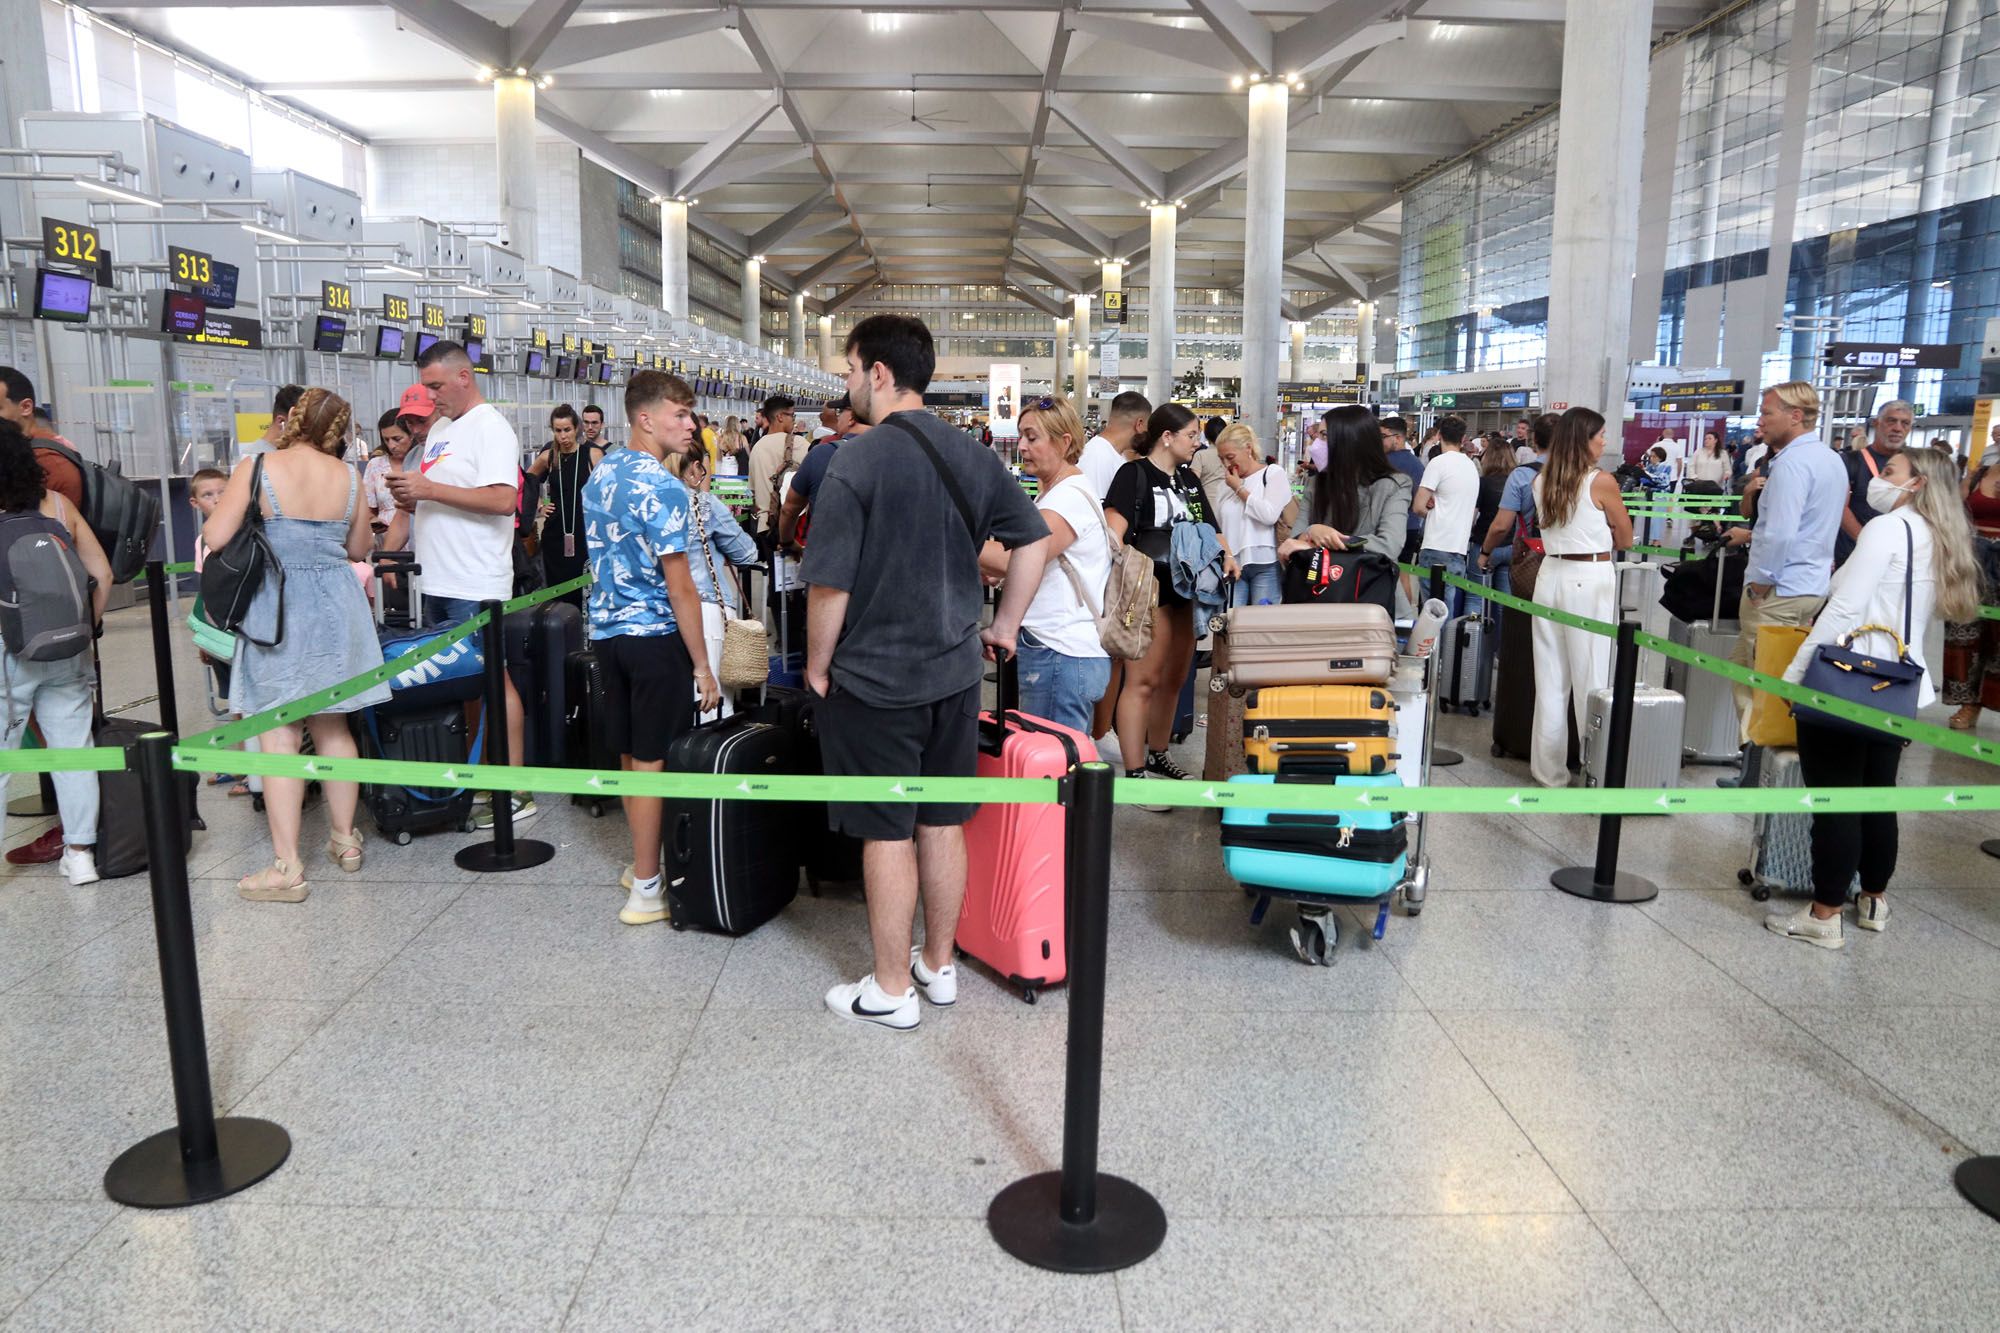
(1896, 233)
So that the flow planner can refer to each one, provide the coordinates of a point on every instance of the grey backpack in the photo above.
(44, 592)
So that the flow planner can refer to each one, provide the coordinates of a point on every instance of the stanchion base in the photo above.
(527, 854)
(1581, 882)
(1026, 1218)
(1443, 758)
(1978, 1179)
(151, 1174)
(29, 807)
(1991, 846)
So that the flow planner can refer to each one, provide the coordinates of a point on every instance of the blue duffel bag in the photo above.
(456, 675)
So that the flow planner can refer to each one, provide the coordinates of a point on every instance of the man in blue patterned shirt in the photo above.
(636, 521)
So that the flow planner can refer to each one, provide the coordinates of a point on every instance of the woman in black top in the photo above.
(560, 471)
(1148, 498)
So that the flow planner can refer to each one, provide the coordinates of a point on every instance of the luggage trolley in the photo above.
(1317, 934)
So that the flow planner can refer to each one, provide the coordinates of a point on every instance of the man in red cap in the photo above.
(417, 413)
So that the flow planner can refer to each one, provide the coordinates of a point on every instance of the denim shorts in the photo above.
(1058, 688)
(444, 612)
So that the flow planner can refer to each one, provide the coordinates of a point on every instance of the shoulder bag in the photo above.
(746, 644)
(231, 576)
(1888, 684)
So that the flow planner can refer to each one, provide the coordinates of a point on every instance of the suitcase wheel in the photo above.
(1744, 877)
(257, 802)
(1217, 624)
(402, 837)
(1499, 751)
(1315, 938)
(1029, 994)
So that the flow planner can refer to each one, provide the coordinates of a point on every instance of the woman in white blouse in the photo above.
(1911, 562)
(1710, 462)
(1258, 494)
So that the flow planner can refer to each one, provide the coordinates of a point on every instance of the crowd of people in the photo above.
(896, 543)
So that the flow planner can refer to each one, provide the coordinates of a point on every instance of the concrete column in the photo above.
(753, 300)
(1079, 356)
(1596, 243)
(674, 257)
(1364, 336)
(826, 352)
(1714, 138)
(1385, 348)
(514, 142)
(1060, 359)
(798, 326)
(1947, 82)
(1298, 350)
(1161, 314)
(1264, 256)
(24, 87)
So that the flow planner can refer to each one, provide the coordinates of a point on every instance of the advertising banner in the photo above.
(1003, 400)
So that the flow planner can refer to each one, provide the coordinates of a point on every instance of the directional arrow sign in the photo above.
(1896, 356)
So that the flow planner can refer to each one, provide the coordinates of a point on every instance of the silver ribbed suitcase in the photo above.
(1714, 728)
(1654, 757)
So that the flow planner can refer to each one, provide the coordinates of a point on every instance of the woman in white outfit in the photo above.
(1912, 561)
(1584, 526)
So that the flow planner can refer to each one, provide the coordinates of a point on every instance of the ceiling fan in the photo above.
(929, 122)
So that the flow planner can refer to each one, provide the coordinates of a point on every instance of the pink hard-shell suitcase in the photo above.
(1014, 899)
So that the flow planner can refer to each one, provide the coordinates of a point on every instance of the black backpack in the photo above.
(45, 611)
(122, 514)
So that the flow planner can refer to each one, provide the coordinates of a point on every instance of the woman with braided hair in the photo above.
(319, 629)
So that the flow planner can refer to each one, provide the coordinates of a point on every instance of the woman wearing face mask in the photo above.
(1913, 560)
(1149, 498)
(1063, 666)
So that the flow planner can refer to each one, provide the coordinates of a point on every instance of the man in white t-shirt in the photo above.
(1104, 454)
(1448, 497)
(463, 492)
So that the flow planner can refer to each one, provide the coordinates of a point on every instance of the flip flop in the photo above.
(221, 778)
(240, 789)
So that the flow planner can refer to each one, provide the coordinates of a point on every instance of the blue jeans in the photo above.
(1454, 563)
(444, 612)
(1059, 688)
(58, 694)
(1259, 583)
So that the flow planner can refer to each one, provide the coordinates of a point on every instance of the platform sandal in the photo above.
(345, 850)
(275, 883)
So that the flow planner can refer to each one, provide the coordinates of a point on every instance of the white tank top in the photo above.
(1587, 531)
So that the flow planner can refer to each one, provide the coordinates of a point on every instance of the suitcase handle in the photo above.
(993, 732)
(683, 833)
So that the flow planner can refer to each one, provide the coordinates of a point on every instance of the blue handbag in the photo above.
(1869, 679)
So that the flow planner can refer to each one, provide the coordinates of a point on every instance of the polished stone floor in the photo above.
(1517, 1110)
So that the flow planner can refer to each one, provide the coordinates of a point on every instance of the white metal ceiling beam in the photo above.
(811, 275)
(1148, 179)
(1326, 282)
(1017, 284)
(1038, 131)
(688, 176)
(811, 231)
(1046, 269)
(1182, 44)
(1306, 314)
(648, 175)
(847, 296)
(777, 231)
(736, 170)
(1331, 34)
(529, 36)
(1093, 240)
(1103, 173)
(1248, 37)
(594, 41)
(474, 36)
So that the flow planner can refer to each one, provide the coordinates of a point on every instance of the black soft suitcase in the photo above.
(587, 745)
(431, 734)
(121, 831)
(829, 857)
(1514, 691)
(540, 642)
(730, 865)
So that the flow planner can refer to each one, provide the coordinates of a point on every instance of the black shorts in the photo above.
(648, 693)
(934, 740)
(1411, 545)
(1163, 574)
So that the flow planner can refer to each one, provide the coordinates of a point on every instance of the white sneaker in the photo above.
(939, 987)
(642, 908)
(864, 1002)
(1871, 912)
(1802, 925)
(79, 866)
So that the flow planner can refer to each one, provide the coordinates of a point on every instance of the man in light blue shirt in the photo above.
(1798, 520)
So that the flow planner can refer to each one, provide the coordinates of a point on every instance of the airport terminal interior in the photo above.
(1462, 1097)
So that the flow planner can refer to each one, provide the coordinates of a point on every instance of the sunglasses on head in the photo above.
(1043, 404)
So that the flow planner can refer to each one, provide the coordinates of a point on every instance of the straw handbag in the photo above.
(746, 645)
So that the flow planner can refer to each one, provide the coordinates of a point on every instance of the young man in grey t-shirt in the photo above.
(895, 648)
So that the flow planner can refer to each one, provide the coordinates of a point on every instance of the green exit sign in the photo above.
(1444, 400)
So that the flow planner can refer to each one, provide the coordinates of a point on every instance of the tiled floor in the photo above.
(1517, 1110)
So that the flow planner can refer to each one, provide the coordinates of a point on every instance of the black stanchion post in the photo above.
(1442, 756)
(505, 852)
(1978, 1179)
(163, 663)
(1077, 1220)
(201, 1158)
(1604, 882)
(1991, 846)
